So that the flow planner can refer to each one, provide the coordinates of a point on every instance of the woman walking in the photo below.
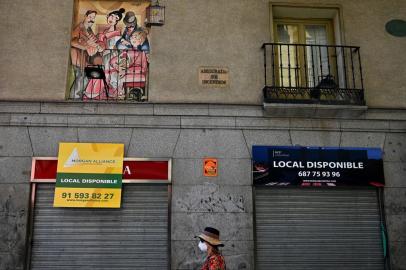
(210, 242)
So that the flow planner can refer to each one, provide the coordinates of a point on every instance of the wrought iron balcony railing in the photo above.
(113, 75)
(304, 73)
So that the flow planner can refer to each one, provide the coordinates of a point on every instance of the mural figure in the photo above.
(111, 35)
(96, 88)
(85, 50)
(140, 41)
(130, 22)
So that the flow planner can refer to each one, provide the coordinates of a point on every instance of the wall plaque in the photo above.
(214, 77)
(210, 167)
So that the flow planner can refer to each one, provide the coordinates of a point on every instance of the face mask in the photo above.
(202, 246)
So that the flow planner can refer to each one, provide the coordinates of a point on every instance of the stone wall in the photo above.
(197, 33)
(395, 197)
(187, 134)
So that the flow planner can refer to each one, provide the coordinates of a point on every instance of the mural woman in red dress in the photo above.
(96, 89)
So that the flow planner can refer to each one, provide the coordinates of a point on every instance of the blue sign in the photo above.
(317, 166)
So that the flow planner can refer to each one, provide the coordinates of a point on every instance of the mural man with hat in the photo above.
(130, 22)
(85, 48)
(210, 242)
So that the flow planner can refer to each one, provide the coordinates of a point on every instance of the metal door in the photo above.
(132, 237)
(305, 228)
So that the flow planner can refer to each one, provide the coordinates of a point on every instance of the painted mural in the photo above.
(109, 51)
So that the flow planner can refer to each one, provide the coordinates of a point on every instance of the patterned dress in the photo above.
(214, 262)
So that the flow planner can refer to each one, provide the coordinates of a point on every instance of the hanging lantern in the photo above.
(155, 15)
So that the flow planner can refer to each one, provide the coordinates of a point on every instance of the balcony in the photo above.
(313, 74)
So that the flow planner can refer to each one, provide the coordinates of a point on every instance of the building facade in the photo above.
(218, 78)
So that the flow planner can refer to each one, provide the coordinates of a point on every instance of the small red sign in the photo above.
(133, 169)
(210, 167)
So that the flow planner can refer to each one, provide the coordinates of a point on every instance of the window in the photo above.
(294, 60)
